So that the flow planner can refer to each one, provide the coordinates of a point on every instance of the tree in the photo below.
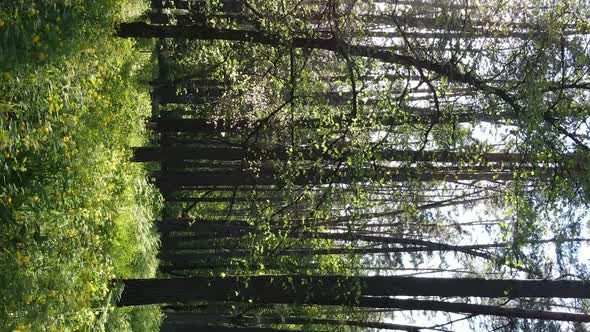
(337, 138)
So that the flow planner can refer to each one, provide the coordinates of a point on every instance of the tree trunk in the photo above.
(187, 180)
(195, 327)
(467, 308)
(452, 73)
(242, 320)
(337, 290)
(184, 152)
(219, 227)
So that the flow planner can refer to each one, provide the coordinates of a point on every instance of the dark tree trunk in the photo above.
(172, 326)
(336, 290)
(467, 308)
(193, 260)
(142, 154)
(453, 74)
(219, 227)
(242, 320)
(192, 125)
(234, 154)
(186, 180)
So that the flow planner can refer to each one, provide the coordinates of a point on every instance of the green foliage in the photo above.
(75, 213)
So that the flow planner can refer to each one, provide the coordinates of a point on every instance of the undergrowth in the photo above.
(75, 213)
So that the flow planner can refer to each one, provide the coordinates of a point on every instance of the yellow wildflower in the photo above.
(36, 40)
(22, 327)
(22, 260)
(42, 56)
(2, 23)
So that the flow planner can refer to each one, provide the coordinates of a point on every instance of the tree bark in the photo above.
(337, 290)
(194, 327)
(242, 320)
(475, 309)
(183, 152)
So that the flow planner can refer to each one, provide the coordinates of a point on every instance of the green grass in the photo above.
(74, 212)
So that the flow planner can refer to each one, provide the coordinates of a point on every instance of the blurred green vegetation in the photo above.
(74, 212)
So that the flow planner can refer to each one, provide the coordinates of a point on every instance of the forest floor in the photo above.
(75, 213)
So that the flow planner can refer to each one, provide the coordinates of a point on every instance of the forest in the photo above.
(294, 165)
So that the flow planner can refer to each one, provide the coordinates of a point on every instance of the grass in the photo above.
(74, 212)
